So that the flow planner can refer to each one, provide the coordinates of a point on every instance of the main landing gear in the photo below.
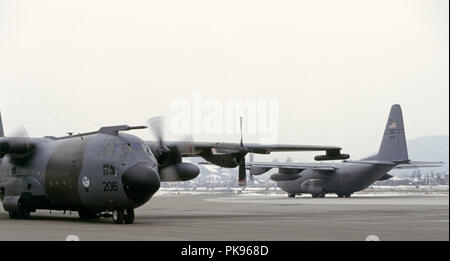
(320, 195)
(119, 216)
(126, 216)
(291, 195)
(19, 214)
(344, 195)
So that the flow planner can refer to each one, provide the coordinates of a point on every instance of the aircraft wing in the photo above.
(197, 148)
(231, 155)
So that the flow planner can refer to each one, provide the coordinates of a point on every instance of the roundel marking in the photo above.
(85, 182)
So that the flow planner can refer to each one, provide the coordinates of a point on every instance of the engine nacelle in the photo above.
(332, 157)
(11, 203)
(179, 172)
(258, 170)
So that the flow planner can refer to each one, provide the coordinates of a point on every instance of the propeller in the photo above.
(171, 167)
(19, 144)
(166, 155)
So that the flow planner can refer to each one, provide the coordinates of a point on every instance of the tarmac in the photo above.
(251, 217)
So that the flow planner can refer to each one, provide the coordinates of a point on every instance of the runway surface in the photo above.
(252, 217)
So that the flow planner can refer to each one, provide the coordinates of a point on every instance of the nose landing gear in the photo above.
(120, 216)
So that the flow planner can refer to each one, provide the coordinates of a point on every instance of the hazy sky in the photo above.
(335, 67)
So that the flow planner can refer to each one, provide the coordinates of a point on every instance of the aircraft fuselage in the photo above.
(348, 178)
(98, 173)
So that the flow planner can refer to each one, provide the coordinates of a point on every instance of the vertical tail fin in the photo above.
(2, 134)
(393, 146)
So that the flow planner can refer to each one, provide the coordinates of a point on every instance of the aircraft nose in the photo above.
(140, 182)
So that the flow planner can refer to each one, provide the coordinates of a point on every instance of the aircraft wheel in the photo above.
(291, 195)
(340, 195)
(129, 216)
(322, 195)
(12, 214)
(21, 214)
(315, 195)
(118, 216)
(348, 195)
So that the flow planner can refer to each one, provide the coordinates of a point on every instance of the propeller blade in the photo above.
(242, 140)
(156, 124)
(242, 173)
(251, 160)
(187, 146)
(242, 169)
(21, 134)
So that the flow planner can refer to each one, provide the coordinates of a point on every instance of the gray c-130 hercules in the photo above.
(349, 176)
(108, 172)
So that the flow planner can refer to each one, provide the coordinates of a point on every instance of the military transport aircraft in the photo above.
(108, 172)
(349, 176)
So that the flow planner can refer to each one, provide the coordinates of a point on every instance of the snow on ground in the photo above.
(371, 191)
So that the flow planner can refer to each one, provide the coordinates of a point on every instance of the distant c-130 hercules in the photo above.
(347, 177)
(108, 172)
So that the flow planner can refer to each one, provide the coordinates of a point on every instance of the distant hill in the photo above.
(429, 148)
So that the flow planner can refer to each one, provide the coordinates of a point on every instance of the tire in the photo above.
(21, 214)
(315, 195)
(128, 216)
(340, 195)
(118, 216)
(348, 195)
(13, 214)
(291, 195)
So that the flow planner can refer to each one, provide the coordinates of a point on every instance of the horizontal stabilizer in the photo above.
(378, 162)
(420, 164)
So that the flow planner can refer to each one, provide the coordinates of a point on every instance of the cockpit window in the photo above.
(111, 147)
(136, 147)
(108, 148)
